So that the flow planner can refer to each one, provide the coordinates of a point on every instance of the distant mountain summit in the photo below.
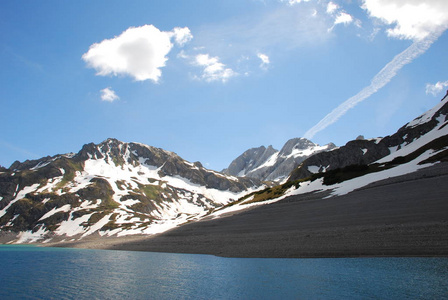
(273, 165)
(111, 188)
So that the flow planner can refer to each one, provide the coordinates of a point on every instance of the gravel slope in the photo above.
(402, 216)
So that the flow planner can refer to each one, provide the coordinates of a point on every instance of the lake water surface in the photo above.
(28, 272)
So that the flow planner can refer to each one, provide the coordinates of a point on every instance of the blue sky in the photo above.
(211, 79)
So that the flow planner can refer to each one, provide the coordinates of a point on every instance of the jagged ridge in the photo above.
(112, 188)
(415, 134)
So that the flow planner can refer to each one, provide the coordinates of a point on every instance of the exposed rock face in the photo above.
(110, 188)
(249, 160)
(270, 164)
(364, 152)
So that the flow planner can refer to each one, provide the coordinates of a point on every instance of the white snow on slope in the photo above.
(427, 115)
(72, 227)
(20, 195)
(245, 205)
(30, 237)
(97, 226)
(359, 182)
(277, 158)
(64, 208)
(272, 160)
(418, 143)
(308, 151)
(41, 165)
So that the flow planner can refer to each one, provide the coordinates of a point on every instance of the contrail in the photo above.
(381, 79)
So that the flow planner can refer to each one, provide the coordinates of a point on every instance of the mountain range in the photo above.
(113, 188)
(116, 188)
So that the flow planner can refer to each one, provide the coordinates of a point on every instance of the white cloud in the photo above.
(331, 7)
(264, 60)
(381, 79)
(435, 89)
(214, 70)
(339, 15)
(411, 19)
(139, 52)
(343, 18)
(109, 95)
(182, 35)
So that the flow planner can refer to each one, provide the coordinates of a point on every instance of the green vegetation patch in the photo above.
(70, 167)
(52, 222)
(99, 189)
(268, 193)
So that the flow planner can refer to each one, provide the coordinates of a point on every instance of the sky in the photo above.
(210, 79)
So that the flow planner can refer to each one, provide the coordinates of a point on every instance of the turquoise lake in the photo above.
(28, 272)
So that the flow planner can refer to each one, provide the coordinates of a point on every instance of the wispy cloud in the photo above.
(23, 60)
(264, 60)
(435, 89)
(285, 27)
(292, 2)
(214, 70)
(381, 79)
(108, 95)
(139, 52)
(25, 152)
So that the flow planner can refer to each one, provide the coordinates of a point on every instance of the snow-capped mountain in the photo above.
(425, 135)
(273, 165)
(113, 188)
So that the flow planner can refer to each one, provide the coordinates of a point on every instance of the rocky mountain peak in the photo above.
(249, 160)
(296, 144)
(273, 165)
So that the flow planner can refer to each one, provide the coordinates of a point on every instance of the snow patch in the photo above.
(129, 202)
(20, 195)
(72, 227)
(308, 151)
(313, 169)
(417, 143)
(55, 210)
(427, 116)
(272, 160)
(41, 165)
(97, 226)
(31, 237)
